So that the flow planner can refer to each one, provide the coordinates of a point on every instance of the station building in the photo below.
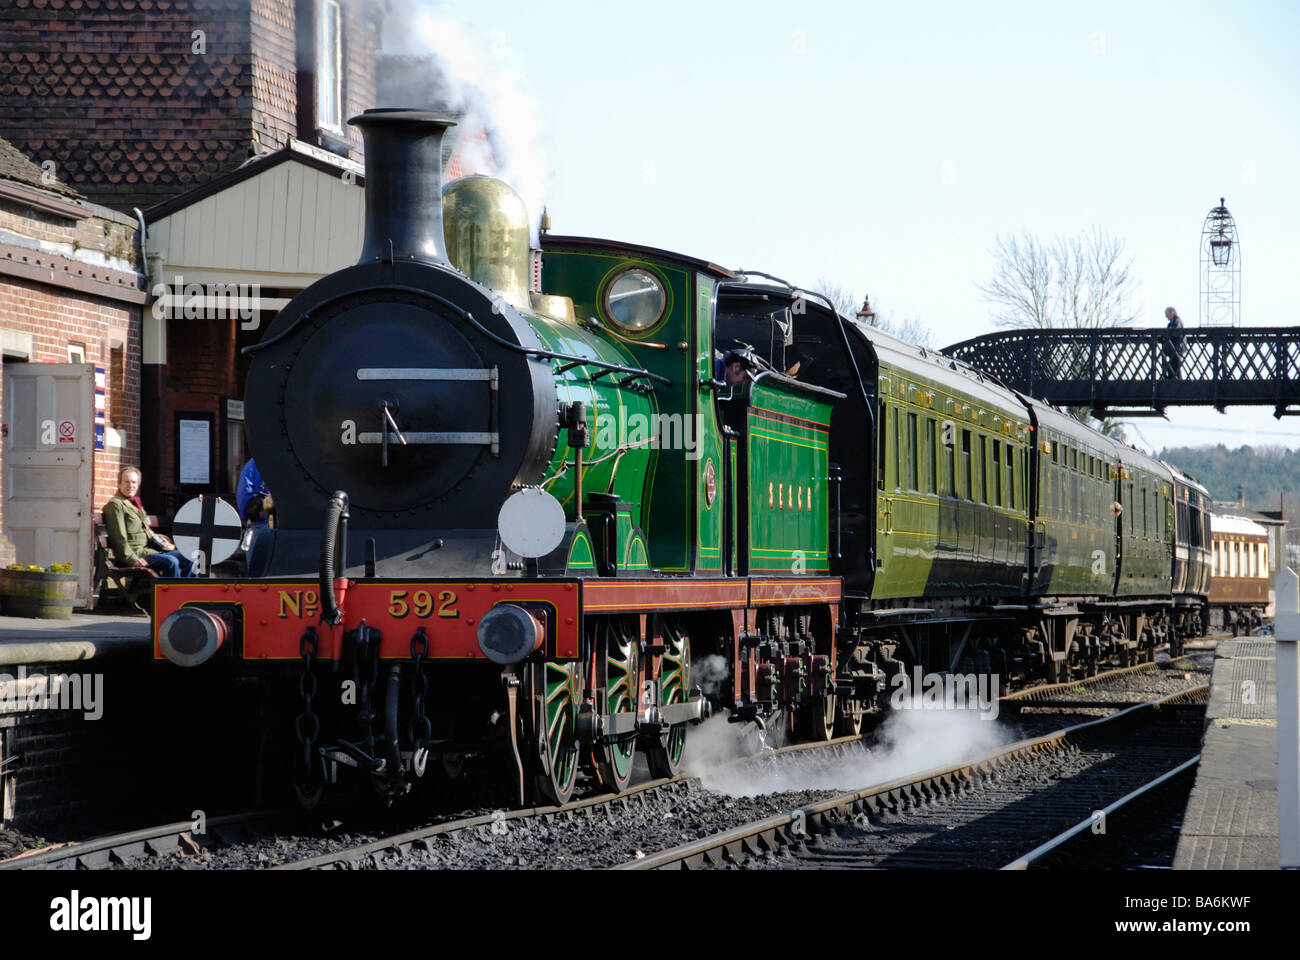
(70, 334)
(197, 154)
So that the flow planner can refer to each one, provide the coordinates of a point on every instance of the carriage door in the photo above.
(49, 466)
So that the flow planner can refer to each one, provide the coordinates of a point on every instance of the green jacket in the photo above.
(129, 535)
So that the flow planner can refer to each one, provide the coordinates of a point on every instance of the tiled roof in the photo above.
(15, 166)
(140, 109)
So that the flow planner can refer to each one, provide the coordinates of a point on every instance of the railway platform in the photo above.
(27, 640)
(1231, 817)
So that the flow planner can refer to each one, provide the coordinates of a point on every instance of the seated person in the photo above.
(129, 537)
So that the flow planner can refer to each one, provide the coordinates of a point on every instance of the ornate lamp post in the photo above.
(1220, 270)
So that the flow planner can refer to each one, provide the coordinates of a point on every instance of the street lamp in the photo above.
(1220, 269)
(1221, 243)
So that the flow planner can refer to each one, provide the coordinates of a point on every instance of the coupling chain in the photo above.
(307, 725)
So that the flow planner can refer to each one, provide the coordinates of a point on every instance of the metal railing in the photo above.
(1132, 371)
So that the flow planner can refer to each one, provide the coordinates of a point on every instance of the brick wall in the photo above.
(54, 318)
(275, 73)
(202, 369)
(50, 317)
(133, 107)
(130, 105)
(70, 775)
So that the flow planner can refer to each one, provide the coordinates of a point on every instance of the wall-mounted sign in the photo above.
(194, 451)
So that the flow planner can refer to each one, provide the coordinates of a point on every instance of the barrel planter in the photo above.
(34, 593)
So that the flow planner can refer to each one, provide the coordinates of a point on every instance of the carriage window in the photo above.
(1011, 477)
(952, 470)
(898, 449)
(880, 455)
(914, 460)
(984, 469)
(933, 456)
(997, 472)
(968, 492)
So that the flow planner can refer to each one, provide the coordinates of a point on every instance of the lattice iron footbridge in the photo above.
(1124, 372)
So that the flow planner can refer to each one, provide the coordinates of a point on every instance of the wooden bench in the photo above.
(135, 583)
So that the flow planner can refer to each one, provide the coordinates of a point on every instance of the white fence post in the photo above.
(1286, 629)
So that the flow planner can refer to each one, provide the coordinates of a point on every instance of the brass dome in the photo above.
(486, 228)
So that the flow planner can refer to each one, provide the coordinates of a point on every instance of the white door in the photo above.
(48, 465)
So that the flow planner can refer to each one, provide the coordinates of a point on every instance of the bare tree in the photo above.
(849, 303)
(1080, 282)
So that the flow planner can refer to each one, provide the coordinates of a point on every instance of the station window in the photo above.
(329, 72)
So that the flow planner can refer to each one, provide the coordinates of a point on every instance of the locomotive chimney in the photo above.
(403, 184)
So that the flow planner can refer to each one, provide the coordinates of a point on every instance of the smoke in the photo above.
(445, 65)
(709, 672)
(909, 742)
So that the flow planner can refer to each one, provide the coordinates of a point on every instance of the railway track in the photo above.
(1061, 847)
(137, 847)
(971, 785)
(121, 849)
(153, 844)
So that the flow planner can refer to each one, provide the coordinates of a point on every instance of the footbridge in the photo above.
(1136, 373)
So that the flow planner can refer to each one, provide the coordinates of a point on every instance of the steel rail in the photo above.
(401, 842)
(1042, 691)
(124, 847)
(769, 833)
(1061, 839)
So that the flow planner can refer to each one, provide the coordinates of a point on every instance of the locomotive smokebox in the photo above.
(403, 184)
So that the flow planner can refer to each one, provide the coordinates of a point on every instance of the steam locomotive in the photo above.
(511, 521)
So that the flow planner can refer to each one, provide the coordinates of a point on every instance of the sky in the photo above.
(883, 147)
